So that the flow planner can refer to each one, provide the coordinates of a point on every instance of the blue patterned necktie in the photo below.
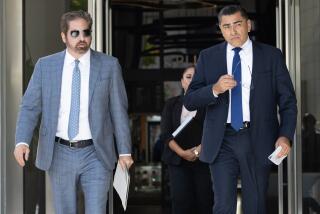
(236, 92)
(73, 126)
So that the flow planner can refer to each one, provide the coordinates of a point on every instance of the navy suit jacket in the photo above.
(272, 93)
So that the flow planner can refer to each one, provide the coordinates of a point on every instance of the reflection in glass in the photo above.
(310, 105)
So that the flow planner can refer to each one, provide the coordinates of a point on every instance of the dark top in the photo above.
(170, 121)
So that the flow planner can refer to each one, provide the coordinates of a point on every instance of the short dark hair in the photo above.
(72, 15)
(232, 9)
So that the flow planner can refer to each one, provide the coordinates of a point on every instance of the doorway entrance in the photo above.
(154, 41)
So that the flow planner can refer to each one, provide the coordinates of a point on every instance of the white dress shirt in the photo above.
(65, 98)
(246, 72)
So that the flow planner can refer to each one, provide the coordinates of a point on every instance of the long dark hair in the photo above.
(185, 70)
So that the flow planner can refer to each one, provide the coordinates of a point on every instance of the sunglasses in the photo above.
(76, 33)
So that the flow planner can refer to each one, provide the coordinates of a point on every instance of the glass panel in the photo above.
(41, 38)
(310, 104)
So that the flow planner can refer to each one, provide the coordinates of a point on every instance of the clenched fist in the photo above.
(224, 83)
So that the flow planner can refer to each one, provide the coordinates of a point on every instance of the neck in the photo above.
(76, 55)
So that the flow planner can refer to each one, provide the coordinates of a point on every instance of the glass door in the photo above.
(100, 11)
(288, 40)
(310, 105)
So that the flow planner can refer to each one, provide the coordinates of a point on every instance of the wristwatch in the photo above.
(196, 152)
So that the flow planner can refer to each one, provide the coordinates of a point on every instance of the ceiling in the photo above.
(172, 4)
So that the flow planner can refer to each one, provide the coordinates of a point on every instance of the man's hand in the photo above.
(21, 154)
(224, 83)
(285, 145)
(125, 161)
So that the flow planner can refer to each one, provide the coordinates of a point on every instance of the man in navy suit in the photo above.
(244, 85)
(79, 96)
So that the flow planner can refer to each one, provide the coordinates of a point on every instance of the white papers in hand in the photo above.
(121, 182)
(182, 125)
(274, 158)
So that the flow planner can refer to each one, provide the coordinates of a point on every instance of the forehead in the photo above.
(78, 24)
(229, 19)
(189, 71)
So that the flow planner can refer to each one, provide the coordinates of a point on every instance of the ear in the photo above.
(249, 25)
(63, 36)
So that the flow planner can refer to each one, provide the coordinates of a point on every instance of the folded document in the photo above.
(121, 182)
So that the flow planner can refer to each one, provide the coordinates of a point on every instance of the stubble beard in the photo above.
(82, 47)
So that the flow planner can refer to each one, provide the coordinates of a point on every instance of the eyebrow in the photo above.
(236, 22)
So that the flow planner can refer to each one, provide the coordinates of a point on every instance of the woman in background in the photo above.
(190, 183)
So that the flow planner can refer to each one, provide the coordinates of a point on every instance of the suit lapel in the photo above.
(222, 57)
(56, 81)
(256, 64)
(94, 73)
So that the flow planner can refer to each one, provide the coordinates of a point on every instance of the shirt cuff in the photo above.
(120, 155)
(214, 94)
(22, 143)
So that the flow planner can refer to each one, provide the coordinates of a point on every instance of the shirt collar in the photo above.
(84, 59)
(245, 47)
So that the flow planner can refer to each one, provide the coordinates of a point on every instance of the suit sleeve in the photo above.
(118, 111)
(286, 99)
(30, 108)
(199, 93)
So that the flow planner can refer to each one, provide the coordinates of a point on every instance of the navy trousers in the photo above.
(235, 159)
(190, 187)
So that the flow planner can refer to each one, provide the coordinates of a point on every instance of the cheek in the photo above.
(88, 39)
(183, 83)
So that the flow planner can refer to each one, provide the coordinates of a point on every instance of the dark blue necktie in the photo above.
(73, 126)
(236, 92)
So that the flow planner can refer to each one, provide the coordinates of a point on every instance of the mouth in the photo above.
(82, 44)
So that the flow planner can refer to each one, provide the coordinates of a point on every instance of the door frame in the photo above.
(288, 40)
(101, 14)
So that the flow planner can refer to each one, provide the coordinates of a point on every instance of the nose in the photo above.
(81, 36)
(233, 30)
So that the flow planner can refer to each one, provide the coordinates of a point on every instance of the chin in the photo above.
(236, 44)
(82, 50)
